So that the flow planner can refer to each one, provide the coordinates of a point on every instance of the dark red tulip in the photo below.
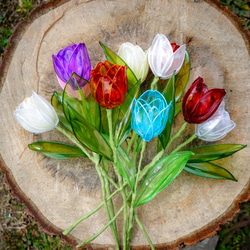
(108, 84)
(199, 103)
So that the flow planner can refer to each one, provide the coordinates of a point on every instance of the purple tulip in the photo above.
(74, 58)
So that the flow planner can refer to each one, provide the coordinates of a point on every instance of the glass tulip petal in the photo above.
(36, 114)
(32, 121)
(217, 127)
(149, 114)
(178, 59)
(60, 69)
(199, 103)
(108, 84)
(44, 107)
(65, 54)
(162, 60)
(73, 58)
(135, 58)
(207, 105)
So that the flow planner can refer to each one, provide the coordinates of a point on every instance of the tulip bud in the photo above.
(216, 127)
(199, 103)
(164, 58)
(73, 58)
(108, 84)
(36, 114)
(150, 114)
(136, 59)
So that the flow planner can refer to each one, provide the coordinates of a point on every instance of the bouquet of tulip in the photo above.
(109, 115)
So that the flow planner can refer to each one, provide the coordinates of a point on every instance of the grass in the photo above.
(240, 8)
(19, 230)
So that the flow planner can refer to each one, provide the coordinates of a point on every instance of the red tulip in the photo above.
(199, 103)
(108, 84)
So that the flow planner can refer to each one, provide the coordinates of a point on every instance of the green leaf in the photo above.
(178, 108)
(123, 124)
(86, 107)
(213, 152)
(125, 167)
(209, 170)
(124, 164)
(115, 59)
(169, 94)
(104, 121)
(87, 134)
(94, 112)
(56, 150)
(131, 95)
(123, 127)
(161, 174)
(182, 77)
(56, 102)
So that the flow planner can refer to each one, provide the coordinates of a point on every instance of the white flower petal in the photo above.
(135, 58)
(178, 59)
(36, 115)
(45, 108)
(160, 54)
(217, 127)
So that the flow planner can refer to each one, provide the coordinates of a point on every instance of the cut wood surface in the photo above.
(58, 192)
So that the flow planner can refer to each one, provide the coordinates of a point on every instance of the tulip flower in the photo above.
(108, 84)
(216, 127)
(73, 58)
(199, 103)
(164, 58)
(36, 114)
(150, 114)
(136, 59)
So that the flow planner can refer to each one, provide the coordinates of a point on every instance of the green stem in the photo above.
(103, 229)
(112, 225)
(134, 153)
(176, 135)
(74, 140)
(109, 115)
(84, 217)
(108, 193)
(184, 143)
(160, 154)
(109, 178)
(154, 82)
(131, 209)
(144, 231)
(134, 137)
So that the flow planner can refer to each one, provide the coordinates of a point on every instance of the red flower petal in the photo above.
(207, 105)
(108, 84)
(199, 103)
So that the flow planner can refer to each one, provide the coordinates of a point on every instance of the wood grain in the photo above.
(59, 192)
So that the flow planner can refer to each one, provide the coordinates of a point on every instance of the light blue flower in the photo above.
(150, 114)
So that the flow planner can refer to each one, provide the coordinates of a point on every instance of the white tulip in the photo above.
(162, 60)
(136, 59)
(36, 114)
(216, 127)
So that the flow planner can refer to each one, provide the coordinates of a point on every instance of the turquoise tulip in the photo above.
(150, 114)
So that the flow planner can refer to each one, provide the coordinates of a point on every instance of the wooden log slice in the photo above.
(57, 192)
